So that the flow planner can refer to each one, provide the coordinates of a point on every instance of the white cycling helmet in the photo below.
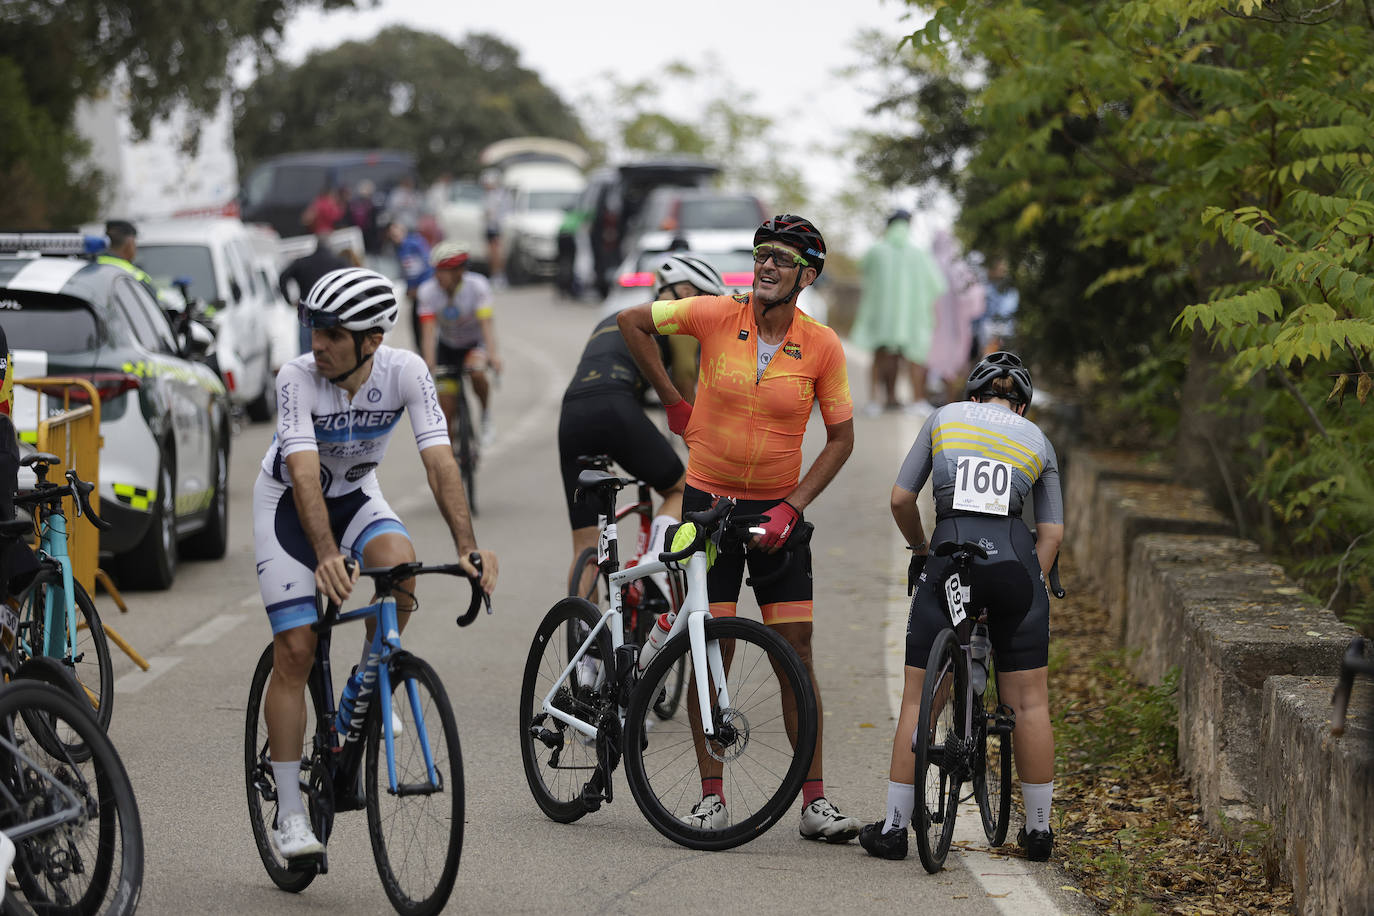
(684, 268)
(353, 298)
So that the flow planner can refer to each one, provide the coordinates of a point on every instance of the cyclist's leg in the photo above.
(579, 433)
(475, 362)
(637, 445)
(375, 536)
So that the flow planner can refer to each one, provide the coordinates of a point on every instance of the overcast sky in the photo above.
(788, 55)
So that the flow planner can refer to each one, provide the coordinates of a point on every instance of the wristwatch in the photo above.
(923, 547)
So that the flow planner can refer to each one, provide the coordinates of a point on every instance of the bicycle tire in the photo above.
(259, 782)
(50, 734)
(938, 763)
(466, 449)
(599, 589)
(558, 760)
(406, 828)
(992, 781)
(110, 863)
(762, 769)
(88, 654)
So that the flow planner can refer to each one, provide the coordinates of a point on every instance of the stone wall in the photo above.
(1186, 595)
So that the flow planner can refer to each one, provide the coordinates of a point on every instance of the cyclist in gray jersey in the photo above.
(983, 458)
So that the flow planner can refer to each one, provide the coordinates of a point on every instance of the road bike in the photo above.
(641, 601)
(66, 802)
(55, 615)
(963, 735)
(398, 758)
(464, 437)
(750, 712)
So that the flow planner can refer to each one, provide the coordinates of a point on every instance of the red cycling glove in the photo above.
(779, 524)
(678, 415)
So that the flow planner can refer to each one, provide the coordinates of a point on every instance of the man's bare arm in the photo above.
(839, 443)
(637, 326)
(446, 483)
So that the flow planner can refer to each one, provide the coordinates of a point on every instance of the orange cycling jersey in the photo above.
(745, 435)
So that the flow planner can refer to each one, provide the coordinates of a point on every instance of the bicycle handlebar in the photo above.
(386, 577)
(50, 493)
(742, 528)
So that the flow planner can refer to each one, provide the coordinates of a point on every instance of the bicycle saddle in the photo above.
(951, 547)
(588, 481)
(33, 458)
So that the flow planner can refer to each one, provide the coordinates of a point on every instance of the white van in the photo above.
(224, 263)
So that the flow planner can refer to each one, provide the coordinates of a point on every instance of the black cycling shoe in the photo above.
(890, 845)
(1037, 844)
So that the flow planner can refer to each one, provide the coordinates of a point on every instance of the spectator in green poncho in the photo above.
(896, 315)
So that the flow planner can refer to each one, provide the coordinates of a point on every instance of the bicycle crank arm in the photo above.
(417, 788)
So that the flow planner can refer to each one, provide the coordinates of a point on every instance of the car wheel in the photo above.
(516, 274)
(264, 407)
(153, 563)
(213, 540)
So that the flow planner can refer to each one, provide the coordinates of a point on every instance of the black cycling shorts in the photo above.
(1009, 583)
(786, 600)
(615, 425)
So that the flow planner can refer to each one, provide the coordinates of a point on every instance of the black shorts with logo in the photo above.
(726, 576)
(1009, 583)
(615, 425)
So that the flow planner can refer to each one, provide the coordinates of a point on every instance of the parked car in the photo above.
(463, 219)
(539, 198)
(728, 251)
(164, 417)
(613, 197)
(278, 189)
(223, 259)
(672, 209)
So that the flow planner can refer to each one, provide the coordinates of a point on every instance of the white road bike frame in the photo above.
(692, 616)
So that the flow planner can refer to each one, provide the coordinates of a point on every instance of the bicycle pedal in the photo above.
(309, 864)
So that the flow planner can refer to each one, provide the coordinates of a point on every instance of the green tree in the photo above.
(1218, 154)
(160, 54)
(405, 89)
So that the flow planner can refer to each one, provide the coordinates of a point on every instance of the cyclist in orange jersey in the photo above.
(764, 364)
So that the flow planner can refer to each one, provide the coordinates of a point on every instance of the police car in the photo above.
(164, 417)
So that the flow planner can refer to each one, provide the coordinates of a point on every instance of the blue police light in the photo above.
(54, 243)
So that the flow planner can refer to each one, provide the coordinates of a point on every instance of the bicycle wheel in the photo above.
(589, 583)
(50, 733)
(762, 769)
(559, 760)
(466, 450)
(89, 858)
(416, 830)
(86, 653)
(992, 782)
(261, 785)
(940, 755)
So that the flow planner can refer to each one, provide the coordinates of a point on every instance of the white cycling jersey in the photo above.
(315, 414)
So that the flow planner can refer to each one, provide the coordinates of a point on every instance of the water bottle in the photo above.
(979, 646)
(350, 696)
(657, 637)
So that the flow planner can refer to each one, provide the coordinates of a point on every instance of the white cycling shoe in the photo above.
(821, 820)
(295, 839)
(709, 814)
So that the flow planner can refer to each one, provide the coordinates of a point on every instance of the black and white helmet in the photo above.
(684, 268)
(353, 298)
(1002, 364)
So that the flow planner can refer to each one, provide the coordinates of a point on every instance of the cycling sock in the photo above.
(288, 779)
(812, 789)
(713, 786)
(901, 799)
(1037, 797)
(657, 529)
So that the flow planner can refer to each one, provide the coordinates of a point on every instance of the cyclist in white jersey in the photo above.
(317, 500)
(456, 329)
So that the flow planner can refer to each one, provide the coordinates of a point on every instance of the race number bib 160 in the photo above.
(982, 485)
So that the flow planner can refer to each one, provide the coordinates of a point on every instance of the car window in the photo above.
(552, 200)
(48, 321)
(239, 258)
(295, 184)
(167, 262)
(466, 193)
(718, 213)
(149, 324)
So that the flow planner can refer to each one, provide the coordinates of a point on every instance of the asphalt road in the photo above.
(179, 727)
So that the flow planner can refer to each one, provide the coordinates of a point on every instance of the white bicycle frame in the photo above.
(692, 616)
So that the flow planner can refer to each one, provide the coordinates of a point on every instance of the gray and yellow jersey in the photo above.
(984, 459)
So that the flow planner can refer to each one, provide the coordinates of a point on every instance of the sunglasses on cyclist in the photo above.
(311, 318)
(780, 257)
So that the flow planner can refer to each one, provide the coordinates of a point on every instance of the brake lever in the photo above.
(81, 491)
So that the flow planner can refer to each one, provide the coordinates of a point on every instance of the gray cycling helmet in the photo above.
(1001, 364)
(354, 298)
(684, 268)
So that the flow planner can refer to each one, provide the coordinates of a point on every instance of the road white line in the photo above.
(1009, 882)
(251, 600)
(212, 630)
(137, 679)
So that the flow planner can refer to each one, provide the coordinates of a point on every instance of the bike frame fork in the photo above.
(53, 544)
(386, 642)
(706, 657)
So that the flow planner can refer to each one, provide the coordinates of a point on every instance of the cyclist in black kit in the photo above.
(603, 409)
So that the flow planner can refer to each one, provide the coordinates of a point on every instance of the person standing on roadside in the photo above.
(412, 256)
(896, 315)
(956, 310)
(768, 365)
(300, 277)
